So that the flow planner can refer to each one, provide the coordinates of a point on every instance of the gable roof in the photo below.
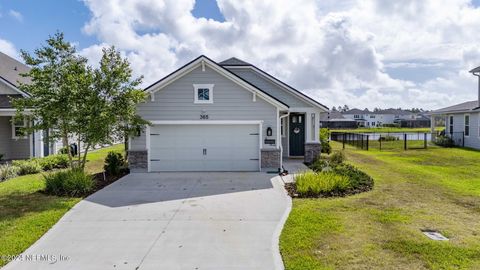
(10, 70)
(203, 60)
(235, 62)
(458, 108)
(5, 101)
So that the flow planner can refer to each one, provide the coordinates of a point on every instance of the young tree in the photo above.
(73, 100)
(110, 107)
(58, 75)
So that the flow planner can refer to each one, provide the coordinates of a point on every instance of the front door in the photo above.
(297, 134)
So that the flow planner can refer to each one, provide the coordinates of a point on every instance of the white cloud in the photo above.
(335, 52)
(8, 48)
(16, 15)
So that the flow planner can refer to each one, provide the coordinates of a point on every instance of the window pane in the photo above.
(203, 94)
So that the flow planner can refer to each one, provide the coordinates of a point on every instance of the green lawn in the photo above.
(26, 214)
(437, 188)
(386, 129)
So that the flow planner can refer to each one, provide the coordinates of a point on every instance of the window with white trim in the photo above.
(17, 125)
(467, 125)
(203, 93)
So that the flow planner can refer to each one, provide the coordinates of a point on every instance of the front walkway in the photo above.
(170, 221)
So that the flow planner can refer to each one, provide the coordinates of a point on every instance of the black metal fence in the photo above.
(457, 138)
(358, 140)
(384, 141)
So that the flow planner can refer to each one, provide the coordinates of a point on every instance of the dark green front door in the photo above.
(297, 134)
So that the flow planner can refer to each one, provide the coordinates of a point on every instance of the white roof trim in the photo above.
(281, 84)
(14, 87)
(205, 61)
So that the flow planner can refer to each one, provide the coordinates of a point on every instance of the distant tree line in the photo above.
(345, 108)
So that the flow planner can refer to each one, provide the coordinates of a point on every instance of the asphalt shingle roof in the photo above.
(462, 107)
(234, 62)
(10, 70)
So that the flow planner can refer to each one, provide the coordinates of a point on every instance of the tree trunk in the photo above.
(84, 160)
(125, 142)
(67, 146)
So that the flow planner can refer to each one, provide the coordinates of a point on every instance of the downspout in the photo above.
(280, 142)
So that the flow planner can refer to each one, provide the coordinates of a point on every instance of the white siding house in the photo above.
(462, 121)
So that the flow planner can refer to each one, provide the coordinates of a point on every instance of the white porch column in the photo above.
(317, 127)
(308, 127)
(38, 143)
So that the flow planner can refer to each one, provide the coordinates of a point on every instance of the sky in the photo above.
(364, 53)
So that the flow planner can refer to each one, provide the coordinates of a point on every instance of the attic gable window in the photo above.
(203, 93)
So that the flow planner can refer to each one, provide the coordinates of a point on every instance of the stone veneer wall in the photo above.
(312, 151)
(138, 160)
(270, 158)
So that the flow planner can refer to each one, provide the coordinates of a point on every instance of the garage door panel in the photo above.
(227, 148)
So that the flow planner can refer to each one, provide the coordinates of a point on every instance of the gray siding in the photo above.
(473, 140)
(12, 148)
(230, 102)
(269, 87)
(6, 89)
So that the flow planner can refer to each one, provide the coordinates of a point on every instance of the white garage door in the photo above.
(204, 148)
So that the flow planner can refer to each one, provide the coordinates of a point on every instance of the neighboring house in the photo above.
(335, 119)
(462, 121)
(227, 116)
(367, 118)
(14, 145)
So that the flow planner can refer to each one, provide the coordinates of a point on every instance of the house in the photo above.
(13, 144)
(378, 118)
(335, 119)
(227, 116)
(462, 121)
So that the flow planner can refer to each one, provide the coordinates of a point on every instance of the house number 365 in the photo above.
(203, 116)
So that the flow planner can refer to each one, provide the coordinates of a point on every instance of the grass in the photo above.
(315, 183)
(386, 129)
(437, 188)
(26, 214)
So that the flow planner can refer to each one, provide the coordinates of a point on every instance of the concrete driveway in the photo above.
(169, 221)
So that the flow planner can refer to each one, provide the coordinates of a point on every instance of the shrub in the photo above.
(53, 162)
(70, 183)
(338, 157)
(1, 157)
(29, 166)
(324, 140)
(358, 179)
(8, 171)
(114, 163)
(312, 183)
(444, 141)
(320, 164)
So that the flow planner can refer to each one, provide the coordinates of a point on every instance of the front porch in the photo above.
(13, 144)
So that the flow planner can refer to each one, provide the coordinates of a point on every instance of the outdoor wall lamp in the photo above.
(269, 131)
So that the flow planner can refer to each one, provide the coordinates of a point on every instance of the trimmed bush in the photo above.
(358, 179)
(8, 171)
(444, 141)
(53, 162)
(114, 163)
(312, 183)
(338, 157)
(29, 166)
(69, 183)
(324, 140)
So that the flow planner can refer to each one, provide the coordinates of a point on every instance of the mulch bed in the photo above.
(103, 179)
